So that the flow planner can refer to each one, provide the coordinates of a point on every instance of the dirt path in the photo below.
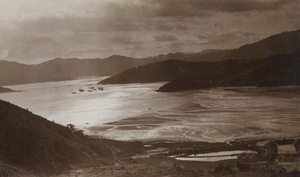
(112, 151)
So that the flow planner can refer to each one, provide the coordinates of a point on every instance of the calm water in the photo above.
(208, 115)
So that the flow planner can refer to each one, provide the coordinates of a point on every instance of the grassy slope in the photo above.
(34, 144)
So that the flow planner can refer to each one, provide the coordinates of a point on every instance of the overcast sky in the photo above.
(33, 31)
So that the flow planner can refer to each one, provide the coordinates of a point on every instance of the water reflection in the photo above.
(207, 115)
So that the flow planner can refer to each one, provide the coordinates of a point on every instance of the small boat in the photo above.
(100, 88)
(73, 92)
(81, 90)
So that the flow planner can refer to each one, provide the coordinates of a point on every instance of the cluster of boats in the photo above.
(90, 89)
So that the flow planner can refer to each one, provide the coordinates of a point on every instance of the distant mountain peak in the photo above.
(117, 57)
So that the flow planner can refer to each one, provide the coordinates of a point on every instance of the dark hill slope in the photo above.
(173, 69)
(156, 72)
(282, 70)
(34, 144)
(279, 44)
(272, 71)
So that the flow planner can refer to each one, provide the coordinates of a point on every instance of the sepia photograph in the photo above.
(150, 88)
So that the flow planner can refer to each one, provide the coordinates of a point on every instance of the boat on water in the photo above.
(100, 88)
(92, 88)
(81, 90)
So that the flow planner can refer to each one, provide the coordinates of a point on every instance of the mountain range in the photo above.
(279, 44)
(273, 61)
(58, 69)
(279, 70)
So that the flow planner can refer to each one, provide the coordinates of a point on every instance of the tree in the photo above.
(71, 127)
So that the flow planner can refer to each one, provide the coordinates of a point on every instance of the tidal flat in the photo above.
(136, 112)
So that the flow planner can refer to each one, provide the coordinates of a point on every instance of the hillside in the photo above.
(2, 90)
(271, 71)
(31, 143)
(59, 69)
(279, 44)
(282, 70)
(216, 65)
(156, 72)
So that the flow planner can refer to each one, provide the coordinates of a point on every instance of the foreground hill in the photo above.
(2, 90)
(31, 143)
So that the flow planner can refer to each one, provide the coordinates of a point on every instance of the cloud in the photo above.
(182, 27)
(124, 38)
(133, 10)
(205, 8)
(120, 15)
(31, 45)
(165, 37)
(227, 37)
(3, 53)
(39, 29)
